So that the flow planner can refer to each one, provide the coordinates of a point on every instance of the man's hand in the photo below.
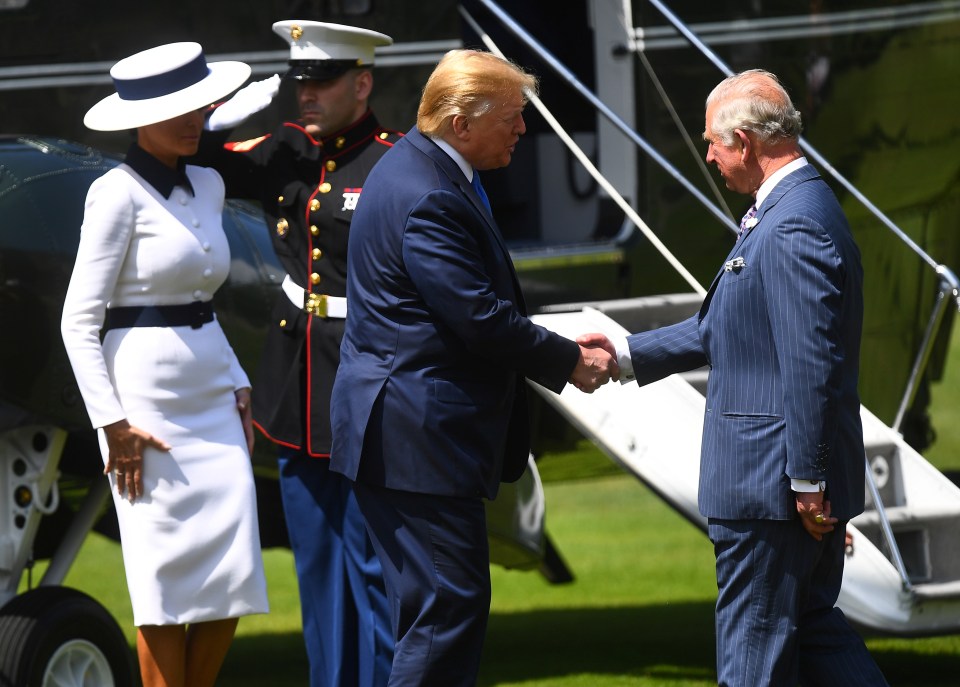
(597, 340)
(597, 364)
(814, 513)
(248, 100)
(125, 445)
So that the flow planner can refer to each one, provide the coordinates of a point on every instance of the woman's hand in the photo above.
(246, 415)
(126, 444)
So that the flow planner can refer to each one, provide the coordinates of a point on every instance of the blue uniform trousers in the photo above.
(346, 620)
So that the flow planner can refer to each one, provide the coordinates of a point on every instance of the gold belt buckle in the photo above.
(316, 304)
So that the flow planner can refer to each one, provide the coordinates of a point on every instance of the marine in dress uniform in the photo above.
(308, 188)
(308, 185)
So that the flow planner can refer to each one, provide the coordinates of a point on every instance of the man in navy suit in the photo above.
(428, 411)
(782, 458)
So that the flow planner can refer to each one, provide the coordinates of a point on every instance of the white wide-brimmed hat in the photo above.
(162, 83)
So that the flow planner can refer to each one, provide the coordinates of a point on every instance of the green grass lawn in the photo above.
(639, 612)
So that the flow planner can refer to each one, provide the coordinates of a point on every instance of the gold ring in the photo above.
(819, 518)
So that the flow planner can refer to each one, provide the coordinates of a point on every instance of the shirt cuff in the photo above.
(623, 359)
(806, 485)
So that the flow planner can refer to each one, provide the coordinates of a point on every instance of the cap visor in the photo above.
(319, 70)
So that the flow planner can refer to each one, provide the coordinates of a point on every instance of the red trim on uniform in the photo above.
(285, 443)
(383, 141)
(299, 128)
(266, 434)
(309, 335)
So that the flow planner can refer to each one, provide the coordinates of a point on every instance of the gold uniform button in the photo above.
(279, 199)
(314, 229)
(282, 227)
(283, 323)
(314, 278)
(331, 166)
(384, 136)
(340, 142)
(316, 253)
(314, 205)
(325, 187)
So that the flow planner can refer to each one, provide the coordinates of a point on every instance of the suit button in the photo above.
(314, 229)
(325, 187)
(314, 205)
(331, 166)
(282, 226)
(316, 253)
(315, 278)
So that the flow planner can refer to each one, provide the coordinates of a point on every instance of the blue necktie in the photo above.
(478, 187)
(751, 213)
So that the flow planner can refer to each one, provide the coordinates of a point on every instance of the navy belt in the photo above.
(194, 315)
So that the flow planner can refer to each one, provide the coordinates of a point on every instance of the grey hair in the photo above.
(755, 101)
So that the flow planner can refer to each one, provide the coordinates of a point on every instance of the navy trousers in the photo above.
(777, 622)
(436, 565)
(346, 620)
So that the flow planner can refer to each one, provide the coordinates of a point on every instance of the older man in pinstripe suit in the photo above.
(782, 467)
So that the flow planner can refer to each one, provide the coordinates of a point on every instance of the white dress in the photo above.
(191, 545)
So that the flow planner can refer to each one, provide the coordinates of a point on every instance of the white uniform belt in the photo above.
(318, 304)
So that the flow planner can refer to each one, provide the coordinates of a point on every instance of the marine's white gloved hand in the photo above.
(248, 100)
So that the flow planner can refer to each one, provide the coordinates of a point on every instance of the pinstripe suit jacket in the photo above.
(780, 329)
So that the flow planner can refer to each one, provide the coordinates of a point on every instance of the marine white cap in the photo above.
(319, 50)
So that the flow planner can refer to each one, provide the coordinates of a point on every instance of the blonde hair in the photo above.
(755, 101)
(470, 83)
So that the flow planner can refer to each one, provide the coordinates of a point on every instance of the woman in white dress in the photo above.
(157, 376)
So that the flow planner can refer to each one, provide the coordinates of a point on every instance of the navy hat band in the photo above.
(147, 87)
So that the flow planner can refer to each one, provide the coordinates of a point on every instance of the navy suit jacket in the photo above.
(780, 329)
(430, 393)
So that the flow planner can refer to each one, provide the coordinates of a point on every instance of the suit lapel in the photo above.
(805, 173)
(456, 176)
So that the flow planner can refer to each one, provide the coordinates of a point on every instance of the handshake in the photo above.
(597, 364)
